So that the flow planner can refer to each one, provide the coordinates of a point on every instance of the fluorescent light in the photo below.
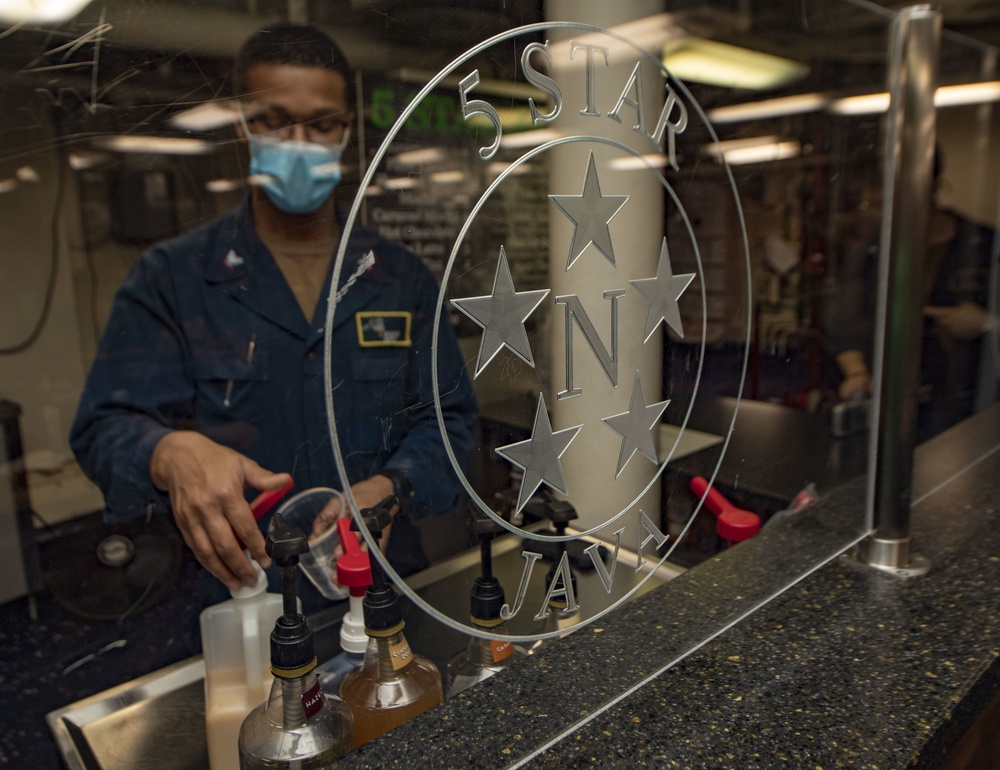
(769, 108)
(206, 116)
(448, 177)
(967, 93)
(757, 150)
(80, 160)
(866, 104)
(420, 157)
(7, 185)
(161, 145)
(400, 183)
(27, 174)
(39, 11)
(496, 168)
(528, 138)
(223, 185)
(720, 64)
(945, 96)
(776, 151)
(641, 163)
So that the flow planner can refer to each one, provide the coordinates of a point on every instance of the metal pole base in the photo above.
(892, 556)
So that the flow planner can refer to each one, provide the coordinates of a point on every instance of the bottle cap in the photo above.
(353, 568)
(487, 598)
(248, 592)
(352, 629)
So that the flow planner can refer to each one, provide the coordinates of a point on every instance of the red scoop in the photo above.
(353, 568)
(264, 502)
(732, 523)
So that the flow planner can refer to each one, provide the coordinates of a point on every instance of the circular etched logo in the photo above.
(588, 245)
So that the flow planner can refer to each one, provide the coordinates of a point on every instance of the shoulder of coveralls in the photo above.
(204, 245)
(393, 262)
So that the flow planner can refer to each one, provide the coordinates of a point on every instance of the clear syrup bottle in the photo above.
(354, 572)
(482, 657)
(298, 727)
(393, 684)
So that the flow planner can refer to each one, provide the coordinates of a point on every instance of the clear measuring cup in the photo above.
(318, 563)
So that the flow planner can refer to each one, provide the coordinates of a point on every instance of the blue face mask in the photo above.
(297, 176)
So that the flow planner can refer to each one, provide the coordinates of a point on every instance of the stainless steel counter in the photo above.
(158, 721)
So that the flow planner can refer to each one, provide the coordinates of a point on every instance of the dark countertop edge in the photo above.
(937, 461)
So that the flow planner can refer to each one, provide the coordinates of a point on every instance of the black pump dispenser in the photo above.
(487, 596)
(381, 604)
(292, 645)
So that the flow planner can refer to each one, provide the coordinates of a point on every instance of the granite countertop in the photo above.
(780, 652)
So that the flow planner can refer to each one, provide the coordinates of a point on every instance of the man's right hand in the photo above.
(206, 483)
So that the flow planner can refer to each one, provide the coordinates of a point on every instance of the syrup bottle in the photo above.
(354, 572)
(482, 658)
(299, 726)
(394, 684)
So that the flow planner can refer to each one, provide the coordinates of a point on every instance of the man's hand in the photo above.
(367, 494)
(964, 321)
(206, 483)
(857, 378)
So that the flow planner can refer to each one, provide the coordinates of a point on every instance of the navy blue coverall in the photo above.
(205, 334)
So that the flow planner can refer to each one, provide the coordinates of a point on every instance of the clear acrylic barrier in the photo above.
(646, 268)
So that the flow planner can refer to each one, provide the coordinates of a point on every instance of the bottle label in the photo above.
(501, 650)
(400, 654)
(313, 700)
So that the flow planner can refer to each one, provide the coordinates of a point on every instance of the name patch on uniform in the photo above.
(384, 328)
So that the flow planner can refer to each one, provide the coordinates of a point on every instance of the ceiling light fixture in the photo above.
(798, 104)
(758, 149)
(206, 116)
(720, 64)
(157, 145)
(39, 11)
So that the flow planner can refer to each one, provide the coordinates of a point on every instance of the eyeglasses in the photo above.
(327, 129)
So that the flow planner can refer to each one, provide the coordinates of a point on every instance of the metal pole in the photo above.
(916, 33)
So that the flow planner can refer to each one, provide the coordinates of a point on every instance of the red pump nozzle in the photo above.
(353, 568)
(732, 523)
(265, 501)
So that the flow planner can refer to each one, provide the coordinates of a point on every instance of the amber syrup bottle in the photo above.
(393, 684)
(482, 658)
(299, 726)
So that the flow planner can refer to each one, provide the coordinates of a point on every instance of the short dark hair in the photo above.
(300, 45)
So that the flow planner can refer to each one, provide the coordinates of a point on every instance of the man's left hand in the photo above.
(367, 494)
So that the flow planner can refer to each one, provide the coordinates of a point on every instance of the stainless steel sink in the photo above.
(157, 722)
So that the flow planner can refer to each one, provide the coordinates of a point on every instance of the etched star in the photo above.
(539, 455)
(636, 426)
(591, 213)
(662, 293)
(501, 316)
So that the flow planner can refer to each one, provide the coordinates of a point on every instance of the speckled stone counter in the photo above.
(779, 653)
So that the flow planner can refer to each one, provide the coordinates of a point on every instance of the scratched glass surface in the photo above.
(624, 250)
(609, 295)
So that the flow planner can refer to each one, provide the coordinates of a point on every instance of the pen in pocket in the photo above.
(251, 348)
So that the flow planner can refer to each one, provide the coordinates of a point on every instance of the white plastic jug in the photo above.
(235, 640)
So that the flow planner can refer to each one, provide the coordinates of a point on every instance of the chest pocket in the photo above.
(229, 385)
(378, 398)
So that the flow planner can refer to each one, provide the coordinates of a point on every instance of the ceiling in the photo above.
(141, 61)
